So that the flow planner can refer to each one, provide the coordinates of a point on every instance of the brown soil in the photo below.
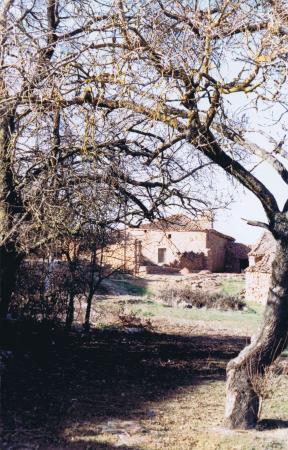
(117, 388)
(55, 384)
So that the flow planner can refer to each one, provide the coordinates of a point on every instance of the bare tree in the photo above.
(170, 76)
(138, 96)
(87, 267)
(59, 143)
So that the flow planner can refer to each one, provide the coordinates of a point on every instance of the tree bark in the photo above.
(9, 265)
(9, 206)
(92, 287)
(242, 399)
(71, 307)
(70, 312)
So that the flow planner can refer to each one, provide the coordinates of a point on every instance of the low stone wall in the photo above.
(158, 270)
(191, 261)
(257, 286)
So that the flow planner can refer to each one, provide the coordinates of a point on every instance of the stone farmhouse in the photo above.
(258, 274)
(178, 243)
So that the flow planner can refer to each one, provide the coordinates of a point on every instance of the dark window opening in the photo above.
(161, 255)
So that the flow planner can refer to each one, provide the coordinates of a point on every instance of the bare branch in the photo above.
(255, 223)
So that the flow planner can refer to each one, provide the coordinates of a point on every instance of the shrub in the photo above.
(189, 298)
(131, 320)
(42, 292)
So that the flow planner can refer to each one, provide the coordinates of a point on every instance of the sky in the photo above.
(247, 206)
(264, 123)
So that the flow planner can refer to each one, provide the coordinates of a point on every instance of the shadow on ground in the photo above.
(272, 424)
(54, 381)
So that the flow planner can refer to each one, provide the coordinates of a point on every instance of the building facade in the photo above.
(179, 243)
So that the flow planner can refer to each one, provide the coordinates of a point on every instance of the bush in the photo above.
(42, 292)
(188, 298)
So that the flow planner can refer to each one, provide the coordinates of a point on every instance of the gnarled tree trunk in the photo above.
(242, 400)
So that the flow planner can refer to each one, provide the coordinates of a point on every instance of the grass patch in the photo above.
(134, 289)
(124, 284)
(232, 286)
(245, 322)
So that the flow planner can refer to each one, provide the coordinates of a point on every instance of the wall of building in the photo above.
(120, 256)
(257, 286)
(217, 252)
(192, 261)
(175, 243)
(237, 257)
(192, 250)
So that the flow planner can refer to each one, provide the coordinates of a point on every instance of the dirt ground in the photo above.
(209, 282)
(118, 389)
(128, 387)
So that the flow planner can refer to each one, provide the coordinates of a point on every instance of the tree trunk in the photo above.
(9, 265)
(70, 312)
(92, 287)
(71, 307)
(242, 399)
(9, 206)
(88, 311)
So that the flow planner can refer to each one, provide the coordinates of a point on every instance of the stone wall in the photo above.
(176, 243)
(192, 261)
(189, 250)
(121, 256)
(257, 286)
(217, 252)
(157, 270)
(237, 258)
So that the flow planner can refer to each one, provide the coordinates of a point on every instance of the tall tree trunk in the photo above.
(9, 265)
(92, 288)
(72, 264)
(88, 311)
(242, 400)
(9, 206)
(70, 311)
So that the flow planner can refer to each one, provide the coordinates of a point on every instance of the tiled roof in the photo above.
(181, 222)
(177, 222)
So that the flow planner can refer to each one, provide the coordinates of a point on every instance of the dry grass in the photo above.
(185, 296)
(190, 419)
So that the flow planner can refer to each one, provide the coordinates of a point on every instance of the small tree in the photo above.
(97, 240)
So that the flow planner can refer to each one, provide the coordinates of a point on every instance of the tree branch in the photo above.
(255, 223)
(206, 142)
(254, 149)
